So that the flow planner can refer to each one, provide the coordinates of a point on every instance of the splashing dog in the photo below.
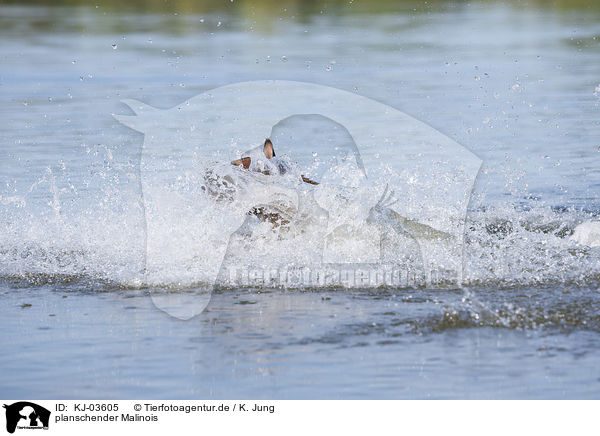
(272, 165)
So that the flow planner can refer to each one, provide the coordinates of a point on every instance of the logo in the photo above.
(26, 415)
(389, 208)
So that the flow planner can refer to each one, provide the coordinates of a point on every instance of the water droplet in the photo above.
(328, 68)
(114, 46)
(202, 20)
(73, 62)
(219, 24)
(283, 58)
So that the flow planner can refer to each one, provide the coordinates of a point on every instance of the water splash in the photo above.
(101, 238)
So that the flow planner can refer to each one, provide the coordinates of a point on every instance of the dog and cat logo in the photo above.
(26, 415)
(420, 232)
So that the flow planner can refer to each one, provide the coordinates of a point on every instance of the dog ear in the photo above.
(268, 149)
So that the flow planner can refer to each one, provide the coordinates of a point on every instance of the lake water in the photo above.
(517, 84)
